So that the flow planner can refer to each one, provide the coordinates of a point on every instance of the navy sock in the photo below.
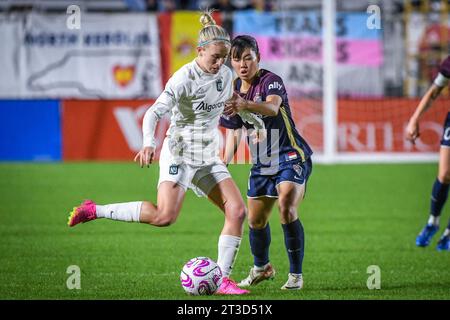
(259, 244)
(438, 197)
(294, 240)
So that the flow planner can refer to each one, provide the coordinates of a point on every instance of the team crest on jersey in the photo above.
(173, 169)
(219, 85)
(298, 169)
(257, 97)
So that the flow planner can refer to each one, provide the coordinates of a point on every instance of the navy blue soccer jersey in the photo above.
(444, 68)
(283, 140)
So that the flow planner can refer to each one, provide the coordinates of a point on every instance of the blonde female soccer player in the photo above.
(195, 95)
(439, 192)
(281, 165)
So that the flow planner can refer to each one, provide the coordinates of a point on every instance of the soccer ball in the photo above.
(201, 276)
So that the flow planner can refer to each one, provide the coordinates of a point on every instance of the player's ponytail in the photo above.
(211, 32)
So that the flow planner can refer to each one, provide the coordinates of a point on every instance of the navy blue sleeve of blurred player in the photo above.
(444, 69)
(273, 85)
(234, 122)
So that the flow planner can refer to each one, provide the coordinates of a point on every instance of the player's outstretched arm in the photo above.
(233, 138)
(412, 129)
(237, 104)
(145, 156)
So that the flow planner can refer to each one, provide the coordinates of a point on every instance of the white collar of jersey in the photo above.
(201, 72)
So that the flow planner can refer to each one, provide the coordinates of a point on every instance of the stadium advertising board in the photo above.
(30, 130)
(371, 125)
(112, 130)
(111, 56)
(105, 130)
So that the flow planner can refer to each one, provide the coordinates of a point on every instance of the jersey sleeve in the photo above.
(234, 122)
(273, 85)
(252, 119)
(176, 89)
(443, 76)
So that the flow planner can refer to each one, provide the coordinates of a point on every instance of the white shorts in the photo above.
(200, 179)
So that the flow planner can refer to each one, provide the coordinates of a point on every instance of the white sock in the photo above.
(228, 249)
(433, 220)
(261, 268)
(446, 232)
(128, 211)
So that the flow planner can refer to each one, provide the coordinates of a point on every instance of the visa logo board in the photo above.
(291, 45)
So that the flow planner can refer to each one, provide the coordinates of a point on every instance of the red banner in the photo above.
(112, 130)
(372, 125)
(104, 130)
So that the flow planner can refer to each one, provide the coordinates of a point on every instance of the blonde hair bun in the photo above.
(206, 19)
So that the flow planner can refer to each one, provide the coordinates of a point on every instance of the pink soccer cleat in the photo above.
(228, 286)
(83, 213)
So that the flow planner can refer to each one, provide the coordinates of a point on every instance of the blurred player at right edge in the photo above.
(439, 192)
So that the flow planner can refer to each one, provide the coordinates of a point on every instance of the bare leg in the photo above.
(259, 210)
(227, 197)
(165, 213)
(444, 165)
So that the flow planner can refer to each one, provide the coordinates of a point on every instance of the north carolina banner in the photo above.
(110, 56)
(291, 45)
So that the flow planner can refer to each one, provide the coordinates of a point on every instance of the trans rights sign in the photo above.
(291, 46)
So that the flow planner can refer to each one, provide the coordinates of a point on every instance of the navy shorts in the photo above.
(266, 185)
(445, 139)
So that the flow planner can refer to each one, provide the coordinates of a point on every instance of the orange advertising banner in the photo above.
(112, 130)
(372, 125)
(104, 130)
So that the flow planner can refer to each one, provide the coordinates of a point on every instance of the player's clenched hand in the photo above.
(258, 135)
(145, 156)
(412, 130)
(234, 105)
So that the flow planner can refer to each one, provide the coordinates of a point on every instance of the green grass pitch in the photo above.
(354, 216)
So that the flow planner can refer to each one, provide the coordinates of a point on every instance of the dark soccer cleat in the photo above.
(424, 237)
(443, 244)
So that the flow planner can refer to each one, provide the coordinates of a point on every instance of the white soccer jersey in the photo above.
(196, 100)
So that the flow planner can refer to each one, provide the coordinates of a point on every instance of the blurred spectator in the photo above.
(188, 5)
(261, 5)
(167, 5)
(152, 5)
(223, 6)
(136, 5)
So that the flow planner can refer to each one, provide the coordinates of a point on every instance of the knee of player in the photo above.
(167, 218)
(444, 177)
(287, 210)
(257, 222)
(237, 211)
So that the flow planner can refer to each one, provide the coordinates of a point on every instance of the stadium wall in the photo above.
(99, 130)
